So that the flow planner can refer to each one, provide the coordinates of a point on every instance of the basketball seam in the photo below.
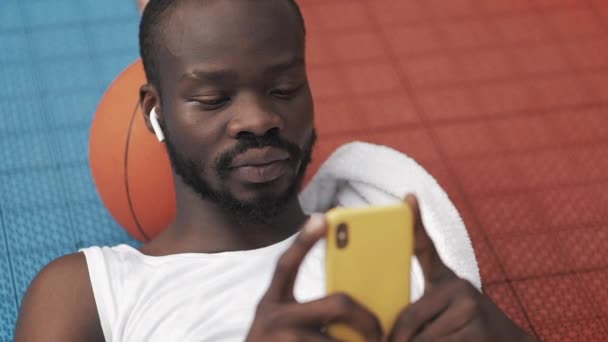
(137, 224)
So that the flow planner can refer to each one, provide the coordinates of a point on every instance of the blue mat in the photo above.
(58, 57)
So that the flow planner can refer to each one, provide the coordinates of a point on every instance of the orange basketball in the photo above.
(130, 167)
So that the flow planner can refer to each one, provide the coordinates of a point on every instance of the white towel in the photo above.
(360, 174)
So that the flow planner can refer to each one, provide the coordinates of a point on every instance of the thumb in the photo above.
(432, 266)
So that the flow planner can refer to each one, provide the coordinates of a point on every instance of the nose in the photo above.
(253, 116)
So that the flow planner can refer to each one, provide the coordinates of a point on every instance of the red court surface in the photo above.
(505, 102)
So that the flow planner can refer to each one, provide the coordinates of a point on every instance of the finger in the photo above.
(421, 313)
(314, 337)
(304, 336)
(432, 266)
(337, 308)
(453, 319)
(471, 331)
(281, 285)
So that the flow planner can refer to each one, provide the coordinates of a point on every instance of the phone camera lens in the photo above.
(342, 235)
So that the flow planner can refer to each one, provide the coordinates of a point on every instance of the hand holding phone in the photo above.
(369, 253)
(451, 308)
(279, 317)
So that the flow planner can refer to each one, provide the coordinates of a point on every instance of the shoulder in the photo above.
(68, 265)
(59, 304)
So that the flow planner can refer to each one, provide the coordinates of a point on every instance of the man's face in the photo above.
(236, 103)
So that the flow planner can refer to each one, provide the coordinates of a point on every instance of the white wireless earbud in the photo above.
(156, 126)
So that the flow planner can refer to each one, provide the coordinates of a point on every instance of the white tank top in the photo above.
(189, 297)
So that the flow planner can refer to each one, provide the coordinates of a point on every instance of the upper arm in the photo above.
(59, 304)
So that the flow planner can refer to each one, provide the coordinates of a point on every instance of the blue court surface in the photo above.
(58, 57)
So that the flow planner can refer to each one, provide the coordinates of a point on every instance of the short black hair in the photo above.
(150, 29)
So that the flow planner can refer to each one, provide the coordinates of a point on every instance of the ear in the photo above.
(148, 99)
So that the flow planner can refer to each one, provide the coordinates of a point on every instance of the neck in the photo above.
(201, 226)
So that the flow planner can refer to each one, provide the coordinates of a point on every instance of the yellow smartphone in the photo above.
(369, 252)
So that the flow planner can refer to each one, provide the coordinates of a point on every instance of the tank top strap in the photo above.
(106, 266)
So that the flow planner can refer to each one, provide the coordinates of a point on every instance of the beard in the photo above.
(265, 207)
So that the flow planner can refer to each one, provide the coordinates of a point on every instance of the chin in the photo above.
(277, 189)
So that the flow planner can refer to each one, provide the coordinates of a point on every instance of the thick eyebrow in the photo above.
(214, 76)
(281, 67)
(219, 76)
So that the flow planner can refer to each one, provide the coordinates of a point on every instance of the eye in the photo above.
(285, 92)
(210, 103)
(213, 102)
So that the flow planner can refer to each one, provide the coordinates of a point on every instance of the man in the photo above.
(228, 90)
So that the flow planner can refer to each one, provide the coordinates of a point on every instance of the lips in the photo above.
(259, 157)
(261, 165)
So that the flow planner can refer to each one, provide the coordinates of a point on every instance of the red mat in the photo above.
(505, 102)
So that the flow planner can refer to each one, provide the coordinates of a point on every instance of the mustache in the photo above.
(224, 160)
